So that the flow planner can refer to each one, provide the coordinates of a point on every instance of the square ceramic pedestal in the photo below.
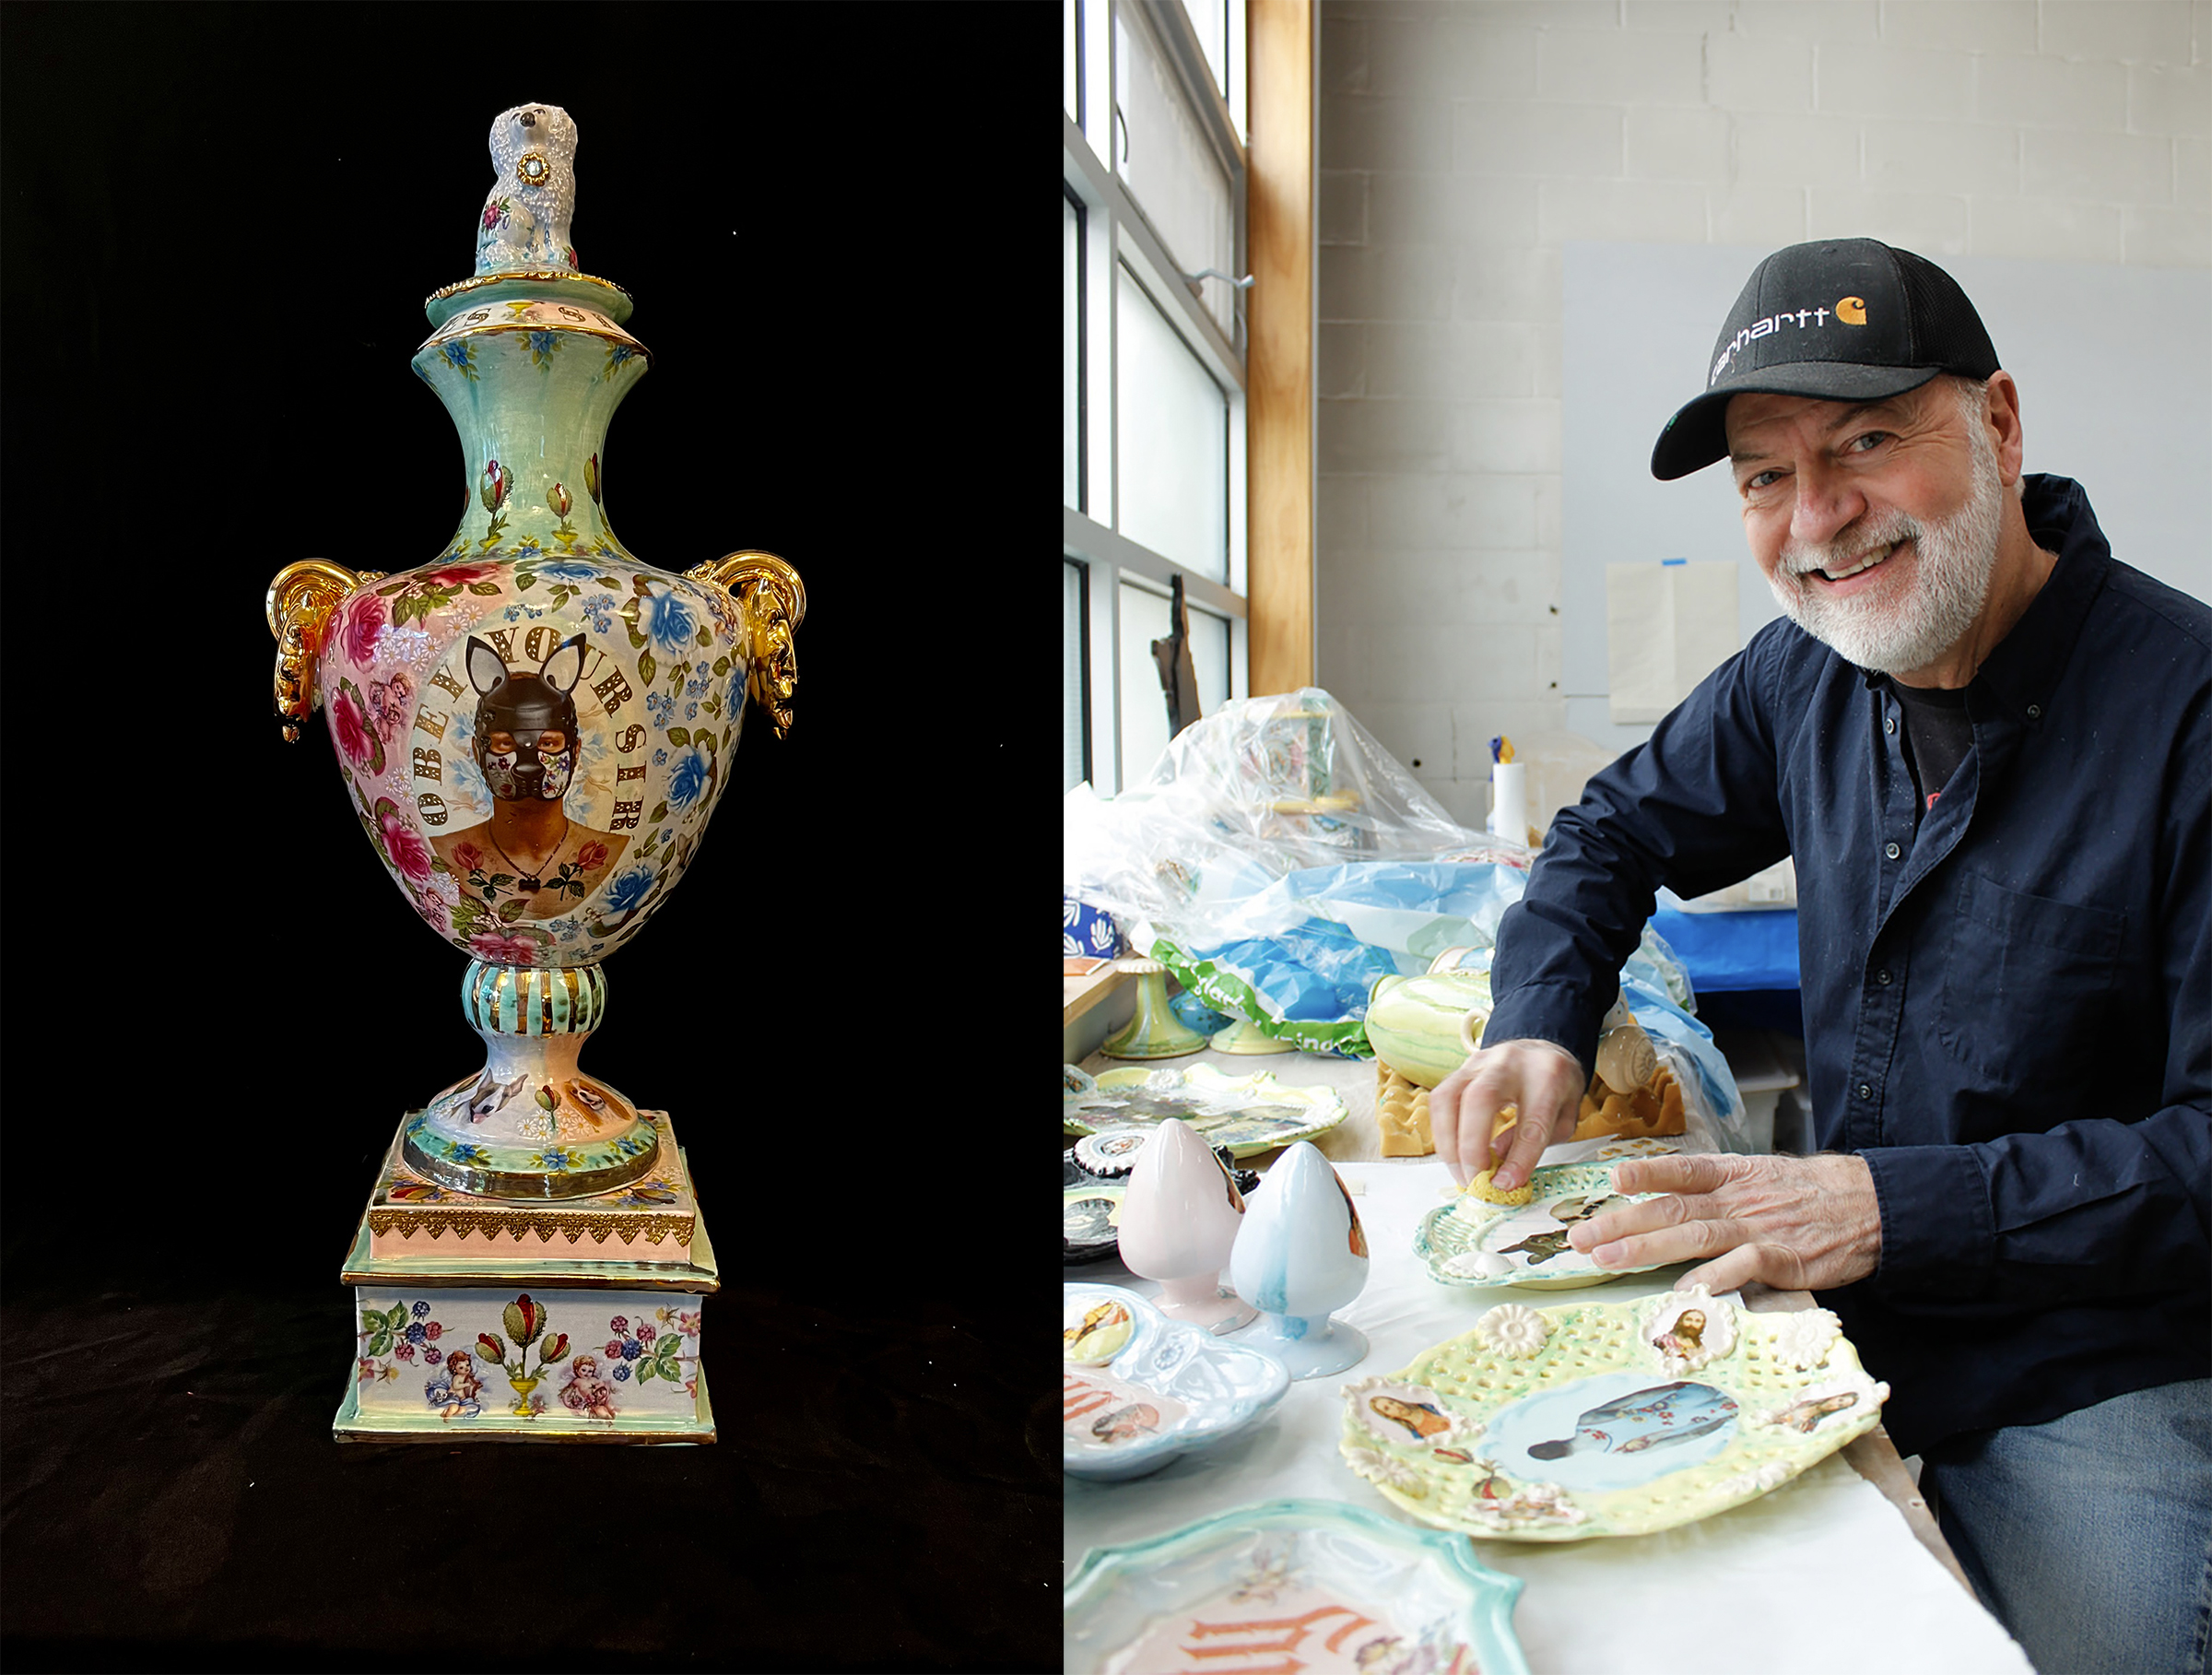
(620, 1277)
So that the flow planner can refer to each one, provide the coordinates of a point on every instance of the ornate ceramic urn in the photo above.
(534, 725)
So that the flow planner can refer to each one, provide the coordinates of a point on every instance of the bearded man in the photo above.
(1988, 744)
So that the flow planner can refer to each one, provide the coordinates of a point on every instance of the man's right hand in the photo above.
(1539, 1077)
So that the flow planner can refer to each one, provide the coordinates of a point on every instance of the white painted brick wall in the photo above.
(1463, 142)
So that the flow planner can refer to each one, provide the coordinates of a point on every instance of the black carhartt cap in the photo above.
(1839, 318)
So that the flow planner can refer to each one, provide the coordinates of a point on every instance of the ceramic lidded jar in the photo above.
(534, 725)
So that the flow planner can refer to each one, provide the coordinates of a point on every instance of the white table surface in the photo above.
(1820, 1574)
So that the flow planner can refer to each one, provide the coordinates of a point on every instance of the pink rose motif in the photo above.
(458, 575)
(409, 853)
(349, 727)
(469, 856)
(493, 486)
(491, 215)
(591, 857)
(433, 910)
(364, 626)
(503, 950)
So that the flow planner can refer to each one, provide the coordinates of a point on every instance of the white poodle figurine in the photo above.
(525, 218)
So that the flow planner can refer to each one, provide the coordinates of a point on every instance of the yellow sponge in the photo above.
(1480, 1186)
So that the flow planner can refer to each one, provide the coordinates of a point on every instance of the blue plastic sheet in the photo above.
(1734, 951)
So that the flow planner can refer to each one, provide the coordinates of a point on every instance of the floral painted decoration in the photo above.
(526, 1322)
(402, 1331)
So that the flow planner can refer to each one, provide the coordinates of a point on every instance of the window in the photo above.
(1154, 403)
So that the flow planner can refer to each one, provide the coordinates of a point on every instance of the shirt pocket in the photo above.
(2026, 988)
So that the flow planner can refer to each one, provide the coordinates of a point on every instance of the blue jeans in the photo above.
(2090, 1538)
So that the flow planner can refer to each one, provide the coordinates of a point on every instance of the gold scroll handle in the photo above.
(774, 602)
(300, 603)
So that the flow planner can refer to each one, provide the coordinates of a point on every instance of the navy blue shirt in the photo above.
(2007, 1003)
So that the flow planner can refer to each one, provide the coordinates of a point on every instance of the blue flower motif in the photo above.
(628, 889)
(688, 779)
(622, 1372)
(600, 614)
(697, 686)
(570, 569)
(457, 353)
(464, 1153)
(660, 758)
(691, 711)
(661, 706)
(632, 1349)
(542, 344)
(563, 928)
(669, 621)
(421, 1311)
(555, 1159)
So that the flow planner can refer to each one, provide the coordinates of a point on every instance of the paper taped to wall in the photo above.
(1667, 625)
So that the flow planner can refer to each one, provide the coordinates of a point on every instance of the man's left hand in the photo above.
(1810, 1223)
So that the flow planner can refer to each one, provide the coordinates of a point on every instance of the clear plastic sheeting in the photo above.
(1278, 861)
(1260, 789)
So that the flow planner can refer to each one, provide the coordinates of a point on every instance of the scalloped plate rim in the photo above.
(1141, 1458)
(1490, 1594)
(1817, 1445)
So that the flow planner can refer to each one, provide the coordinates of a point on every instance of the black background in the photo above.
(220, 222)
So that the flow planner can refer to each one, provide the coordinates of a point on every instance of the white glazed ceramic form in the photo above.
(1139, 1390)
(1300, 1255)
(1179, 1223)
(1312, 1586)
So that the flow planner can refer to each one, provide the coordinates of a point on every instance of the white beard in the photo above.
(1956, 553)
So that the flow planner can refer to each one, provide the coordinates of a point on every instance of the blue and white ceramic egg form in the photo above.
(1299, 1255)
(1179, 1223)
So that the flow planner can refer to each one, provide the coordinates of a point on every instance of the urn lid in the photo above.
(523, 246)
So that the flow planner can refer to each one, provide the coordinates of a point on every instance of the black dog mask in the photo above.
(524, 708)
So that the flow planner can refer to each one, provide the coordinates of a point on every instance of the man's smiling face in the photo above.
(1877, 524)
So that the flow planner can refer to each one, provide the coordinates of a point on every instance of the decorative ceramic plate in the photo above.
(1311, 1585)
(1607, 1419)
(1093, 1206)
(1140, 1389)
(1473, 1241)
(1247, 1113)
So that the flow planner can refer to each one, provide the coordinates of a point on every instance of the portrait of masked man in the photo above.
(529, 860)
